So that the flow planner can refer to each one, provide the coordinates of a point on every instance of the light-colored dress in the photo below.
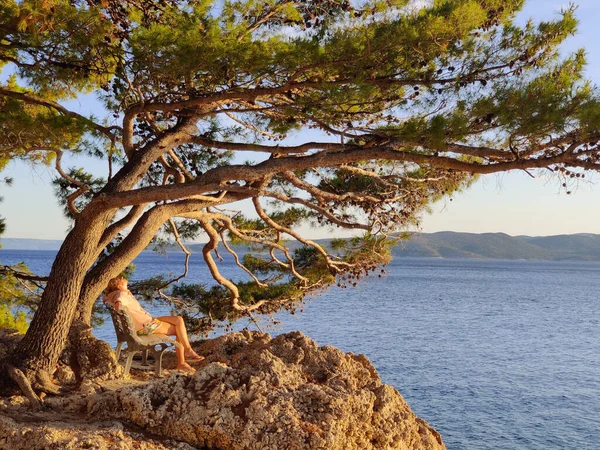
(143, 322)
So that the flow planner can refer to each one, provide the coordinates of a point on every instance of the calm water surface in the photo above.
(493, 354)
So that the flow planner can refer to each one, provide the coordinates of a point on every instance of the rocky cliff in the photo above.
(257, 392)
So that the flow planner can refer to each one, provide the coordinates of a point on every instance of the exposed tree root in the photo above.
(19, 377)
(87, 358)
(44, 383)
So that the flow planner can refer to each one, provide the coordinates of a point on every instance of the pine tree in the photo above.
(406, 105)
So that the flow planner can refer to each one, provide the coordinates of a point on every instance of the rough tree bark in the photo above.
(38, 352)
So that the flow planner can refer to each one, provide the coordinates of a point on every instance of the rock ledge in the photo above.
(257, 392)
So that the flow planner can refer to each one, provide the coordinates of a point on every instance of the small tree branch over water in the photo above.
(357, 116)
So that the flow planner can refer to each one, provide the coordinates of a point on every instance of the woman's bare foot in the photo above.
(185, 367)
(193, 356)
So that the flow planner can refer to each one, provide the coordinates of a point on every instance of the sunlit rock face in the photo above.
(256, 392)
(61, 435)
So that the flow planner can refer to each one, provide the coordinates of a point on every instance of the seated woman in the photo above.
(117, 295)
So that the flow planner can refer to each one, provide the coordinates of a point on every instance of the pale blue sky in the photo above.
(512, 203)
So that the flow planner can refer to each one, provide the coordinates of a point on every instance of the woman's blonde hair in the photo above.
(112, 285)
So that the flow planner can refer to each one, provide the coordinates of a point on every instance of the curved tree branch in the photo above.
(212, 244)
(322, 211)
(335, 265)
(274, 149)
(216, 179)
(36, 100)
(239, 263)
(110, 233)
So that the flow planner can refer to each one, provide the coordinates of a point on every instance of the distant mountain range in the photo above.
(445, 244)
(29, 244)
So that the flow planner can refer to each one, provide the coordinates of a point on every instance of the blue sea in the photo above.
(493, 354)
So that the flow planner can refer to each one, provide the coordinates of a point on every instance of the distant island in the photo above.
(444, 244)
(448, 244)
(29, 244)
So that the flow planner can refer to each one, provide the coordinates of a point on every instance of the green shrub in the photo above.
(16, 321)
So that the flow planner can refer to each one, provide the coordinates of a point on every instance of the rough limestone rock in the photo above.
(255, 392)
(60, 435)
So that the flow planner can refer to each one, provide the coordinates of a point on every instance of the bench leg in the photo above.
(118, 350)
(128, 362)
(144, 357)
(158, 354)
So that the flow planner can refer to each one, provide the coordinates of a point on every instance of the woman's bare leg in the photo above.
(170, 330)
(175, 326)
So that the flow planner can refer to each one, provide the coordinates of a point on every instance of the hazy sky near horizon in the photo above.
(513, 203)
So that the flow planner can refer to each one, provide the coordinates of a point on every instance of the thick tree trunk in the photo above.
(38, 352)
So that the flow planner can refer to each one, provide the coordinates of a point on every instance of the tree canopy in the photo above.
(342, 114)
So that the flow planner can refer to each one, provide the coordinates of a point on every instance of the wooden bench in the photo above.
(126, 335)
